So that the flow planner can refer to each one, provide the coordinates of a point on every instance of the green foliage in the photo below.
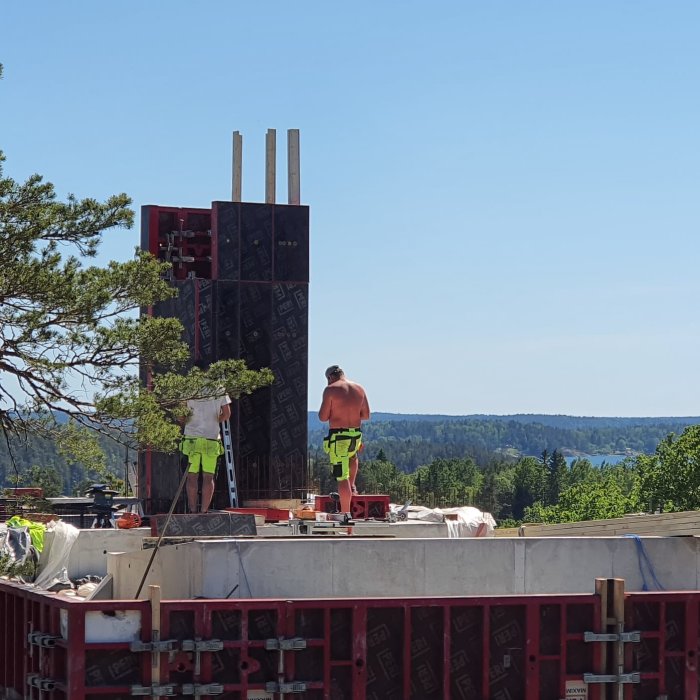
(13, 569)
(456, 479)
(530, 484)
(599, 499)
(670, 479)
(44, 478)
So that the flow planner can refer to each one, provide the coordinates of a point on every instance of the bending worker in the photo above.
(202, 445)
(344, 406)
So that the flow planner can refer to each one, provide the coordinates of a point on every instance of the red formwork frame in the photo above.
(524, 647)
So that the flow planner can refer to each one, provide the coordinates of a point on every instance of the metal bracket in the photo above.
(201, 689)
(160, 647)
(36, 681)
(612, 637)
(285, 688)
(155, 690)
(202, 645)
(282, 644)
(622, 678)
(40, 639)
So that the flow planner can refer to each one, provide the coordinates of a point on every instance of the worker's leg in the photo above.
(192, 486)
(211, 449)
(194, 460)
(207, 490)
(345, 493)
(354, 463)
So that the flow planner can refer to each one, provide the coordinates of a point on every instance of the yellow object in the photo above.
(305, 512)
(36, 530)
(341, 445)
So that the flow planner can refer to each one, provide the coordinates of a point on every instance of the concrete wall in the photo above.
(89, 552)
(353, 567)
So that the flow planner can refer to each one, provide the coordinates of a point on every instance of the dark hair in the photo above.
(333, 371)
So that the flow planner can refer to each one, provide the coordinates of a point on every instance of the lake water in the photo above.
(597, 460)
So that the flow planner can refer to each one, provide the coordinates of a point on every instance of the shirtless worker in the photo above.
(344, 406)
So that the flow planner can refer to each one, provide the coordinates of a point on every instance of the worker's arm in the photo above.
(324, 413)
(364, 409)
(224, 412)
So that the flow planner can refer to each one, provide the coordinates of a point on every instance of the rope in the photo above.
(643, 558)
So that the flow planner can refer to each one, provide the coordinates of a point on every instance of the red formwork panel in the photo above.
(489, 648)
(181, 236)
(667, 654)
(364, 506)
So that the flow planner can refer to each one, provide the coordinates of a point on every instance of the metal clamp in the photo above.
(36, 681)
(202, 645)
(202, 689)
(622, 678)
(285, 688)
(40, 639)
(160, 647)
(612, 637)
(155, 690)
(282, 644)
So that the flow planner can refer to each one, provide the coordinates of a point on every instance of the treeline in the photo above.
(411, 443)
(545, 488)
(555, 421)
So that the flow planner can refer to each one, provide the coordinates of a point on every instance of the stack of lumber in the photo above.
(661, 525)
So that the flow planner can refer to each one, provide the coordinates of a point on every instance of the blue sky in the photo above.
(504, 195)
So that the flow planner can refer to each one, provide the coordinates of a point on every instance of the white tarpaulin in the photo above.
(463, 521)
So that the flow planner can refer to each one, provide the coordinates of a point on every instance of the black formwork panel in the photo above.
(184, 307)
(427, 653)
(288, 439)
(225, 323)
(256, 325)
(226, 320)
(291, 243)
(254, 411)
(204, 333)
(226, 232)
(166, 471)
(467, 652)
(507, 651)
(256, 242)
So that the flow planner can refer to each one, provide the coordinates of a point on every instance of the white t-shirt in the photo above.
(204, 421)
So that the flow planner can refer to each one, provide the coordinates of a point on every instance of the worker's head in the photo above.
(334, 373)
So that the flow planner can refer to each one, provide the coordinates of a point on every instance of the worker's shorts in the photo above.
(201, 452)
(341, 445)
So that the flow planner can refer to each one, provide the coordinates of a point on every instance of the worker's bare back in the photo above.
(344, 404)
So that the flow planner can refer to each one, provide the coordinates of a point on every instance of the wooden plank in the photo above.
(293, 167)
(150, 542)
(237, 167)
(270, 166)
(663, 525)
(154, 596)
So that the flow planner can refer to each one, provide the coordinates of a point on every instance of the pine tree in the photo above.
(70, 343)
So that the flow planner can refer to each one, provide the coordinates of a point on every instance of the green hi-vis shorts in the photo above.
(201, 452)
(341, 445)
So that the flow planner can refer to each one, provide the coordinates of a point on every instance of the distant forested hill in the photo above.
(43, 453)
(410, 441)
